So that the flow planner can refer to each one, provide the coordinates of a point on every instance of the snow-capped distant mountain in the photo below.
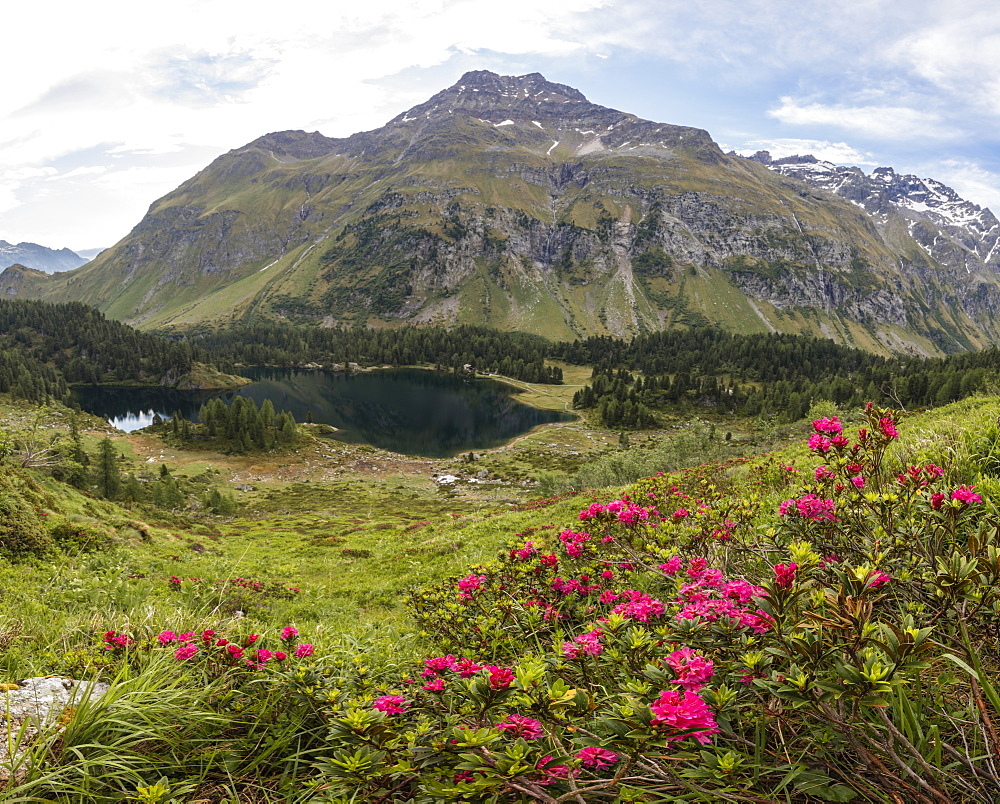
(39, 257)
(953, 231)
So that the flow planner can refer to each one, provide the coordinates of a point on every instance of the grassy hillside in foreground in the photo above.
(209, 727)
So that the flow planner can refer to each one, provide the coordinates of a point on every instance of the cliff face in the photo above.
(515, 202)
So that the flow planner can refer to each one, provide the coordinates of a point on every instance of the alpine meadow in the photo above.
(753, 555)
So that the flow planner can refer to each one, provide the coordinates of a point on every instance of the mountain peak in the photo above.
(533, 85)
(487, 95)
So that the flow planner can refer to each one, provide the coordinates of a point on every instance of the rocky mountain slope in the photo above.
(954, 232)
(39, 257)
(515, 202)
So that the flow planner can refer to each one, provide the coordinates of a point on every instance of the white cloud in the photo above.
(840, 153)
(879, 122)
(958, 54)
(90, 170)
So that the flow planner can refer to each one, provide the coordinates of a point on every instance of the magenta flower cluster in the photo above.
(498, 678)
(809, 506)
(624, 511)
(784, 575)
(116, 641)
(584, 644)
(521, 726)
(693, 671)
(187, 646)
(391, 704)
(597, 758)
(683, 714)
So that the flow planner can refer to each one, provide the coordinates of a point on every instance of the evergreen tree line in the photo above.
(25, 377)
(240, 427)
(278, 343)
(83, 346)
(759, 374)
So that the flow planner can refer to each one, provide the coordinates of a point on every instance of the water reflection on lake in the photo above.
(409, 411)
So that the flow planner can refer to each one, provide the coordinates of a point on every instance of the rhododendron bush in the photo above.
(698, 641)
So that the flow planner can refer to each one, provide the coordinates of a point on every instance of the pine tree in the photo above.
(106, 471)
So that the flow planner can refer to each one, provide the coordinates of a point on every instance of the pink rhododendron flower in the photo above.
(525, 552)
(810, 506)
(280, 656)
(466, 668)
(878, 580)
(500, 677)
(116, 640)
(437, 685)
(471, 582)
(937, 500)
(234, 650)
(693, 670)
(554, 771)
(683, 712)
(391, 704)
(588, 643)
(785, 575)
(887, 427)
(830, 426)
(264, 655)
(597, 758)
(289, 632)
(186, 651)
(822, 473)
(672, 566)
(640, 606)
(965, 494)
(859, 482)
(167, 637)
(521, 726)
(304, 650)
(820, 444)
(441, 662)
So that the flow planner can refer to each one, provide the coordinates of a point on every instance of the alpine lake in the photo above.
(408, 411)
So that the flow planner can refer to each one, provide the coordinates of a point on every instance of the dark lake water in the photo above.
(409, 411)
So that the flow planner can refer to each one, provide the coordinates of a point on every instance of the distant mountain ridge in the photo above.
(39, 257)
(515, 202)
(955, 232)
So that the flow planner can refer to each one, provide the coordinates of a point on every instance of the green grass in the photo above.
(353, 548)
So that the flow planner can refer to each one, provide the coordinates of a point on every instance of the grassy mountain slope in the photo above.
(517, 203)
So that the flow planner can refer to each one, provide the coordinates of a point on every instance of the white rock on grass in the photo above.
(35, 704)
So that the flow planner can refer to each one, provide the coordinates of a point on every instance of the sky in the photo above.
(113, 105)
